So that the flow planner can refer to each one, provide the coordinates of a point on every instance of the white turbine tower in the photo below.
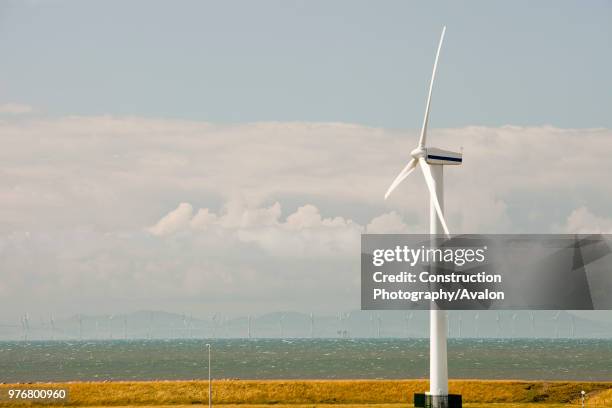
(432, 161)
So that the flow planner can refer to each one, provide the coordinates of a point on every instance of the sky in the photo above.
(202, 157)
(518, 63)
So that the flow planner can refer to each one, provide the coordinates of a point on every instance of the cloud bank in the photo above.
(128, 212)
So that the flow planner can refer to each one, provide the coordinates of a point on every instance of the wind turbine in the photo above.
(125, 330)
(191, 326)
(432, 161)
(407, 321)
(25, 326)
(150, 331)
(345, 326)
(311, 325)
(372, 328)
(410, 316)
(280, 326)
(214, 320)
(52, 324)
(556, 320)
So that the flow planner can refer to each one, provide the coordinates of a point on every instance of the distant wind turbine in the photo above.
(347, 332)
(556, 323)
(110, 326)
(249, 335)
(311, 325)
(25, 326)
(410, 316)
(150, 331)
(214, 320)
(125, 327)
(52, 324)
(407, 319)
(372, 325)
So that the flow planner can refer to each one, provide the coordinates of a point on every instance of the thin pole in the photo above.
(209, 380)
(438, 326)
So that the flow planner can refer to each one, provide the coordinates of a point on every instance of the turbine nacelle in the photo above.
(443, 157)
(433, 155)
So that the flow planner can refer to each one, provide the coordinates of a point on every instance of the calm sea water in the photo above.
(301, 358)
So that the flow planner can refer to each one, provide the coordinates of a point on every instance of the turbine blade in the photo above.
(431, 185)
(433, 75)
(400, 177)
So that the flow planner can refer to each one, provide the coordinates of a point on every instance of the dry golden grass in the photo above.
(603, 397)
(470, 405)
(319, 392)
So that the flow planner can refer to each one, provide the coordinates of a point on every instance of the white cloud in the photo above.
(582, 221)
(173, 221)
(12, 108)
(389, 223)
(203, 219)
(304, 233)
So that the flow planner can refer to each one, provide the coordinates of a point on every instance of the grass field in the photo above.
(322, 393)
(471, 405)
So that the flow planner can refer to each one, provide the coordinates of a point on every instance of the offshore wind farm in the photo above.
(354, 324)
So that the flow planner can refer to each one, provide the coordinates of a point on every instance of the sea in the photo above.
(185, 359)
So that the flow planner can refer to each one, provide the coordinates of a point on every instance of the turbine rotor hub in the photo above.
(418, 153)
